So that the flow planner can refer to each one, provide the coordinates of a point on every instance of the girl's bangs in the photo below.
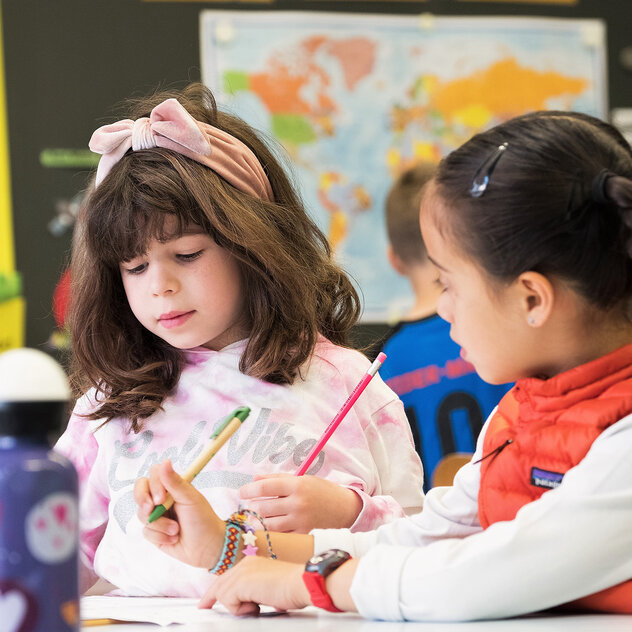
(126, 232)
(131, 206)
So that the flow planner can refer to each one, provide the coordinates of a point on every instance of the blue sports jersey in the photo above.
(446, 401)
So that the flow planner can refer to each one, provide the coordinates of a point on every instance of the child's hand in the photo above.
(196, 535)
(300, 503)
(257, 580)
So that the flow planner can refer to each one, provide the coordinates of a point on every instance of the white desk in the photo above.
(312, 620)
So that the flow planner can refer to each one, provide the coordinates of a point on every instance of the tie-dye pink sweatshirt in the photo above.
(371, 452)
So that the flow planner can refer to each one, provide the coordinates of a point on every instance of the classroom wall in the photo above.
(68, 62)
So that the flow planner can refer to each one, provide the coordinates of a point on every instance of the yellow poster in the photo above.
(11, 303)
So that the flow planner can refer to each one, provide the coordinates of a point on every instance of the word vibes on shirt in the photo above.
(265, 440)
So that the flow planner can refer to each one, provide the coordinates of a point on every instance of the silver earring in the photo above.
(530, 321)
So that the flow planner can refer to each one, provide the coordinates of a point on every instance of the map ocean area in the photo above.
(356, 99)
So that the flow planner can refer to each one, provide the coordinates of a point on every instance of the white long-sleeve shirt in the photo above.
(440, 564)
(371, 452)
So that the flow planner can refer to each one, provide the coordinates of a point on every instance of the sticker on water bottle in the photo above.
(18, 607)
(51, 528)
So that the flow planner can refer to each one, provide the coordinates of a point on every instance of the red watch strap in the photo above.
(315, 584)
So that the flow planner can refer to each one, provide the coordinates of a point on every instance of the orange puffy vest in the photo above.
(522, 458)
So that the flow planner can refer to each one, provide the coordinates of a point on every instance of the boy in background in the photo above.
(445, 400)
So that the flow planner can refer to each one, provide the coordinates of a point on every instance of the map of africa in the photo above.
(356, 99)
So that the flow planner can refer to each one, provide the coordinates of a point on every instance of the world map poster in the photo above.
(355, 99)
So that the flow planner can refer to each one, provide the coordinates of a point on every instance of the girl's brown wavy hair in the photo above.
(294, 289)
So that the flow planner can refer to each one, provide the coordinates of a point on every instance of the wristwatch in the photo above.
(316, 571)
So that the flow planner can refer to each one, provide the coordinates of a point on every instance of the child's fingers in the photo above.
(156, 484)
(282, 524)
(271, 507)
(181, 491)
(160, 537)
(260, 477)
(143, 498)
(208, 600)
(268, 487)
(229, 594)
(246, 608)
(163, 525)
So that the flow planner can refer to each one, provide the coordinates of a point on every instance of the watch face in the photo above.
(326, 562)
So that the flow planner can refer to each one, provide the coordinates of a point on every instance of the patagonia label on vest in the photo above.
(545, 478)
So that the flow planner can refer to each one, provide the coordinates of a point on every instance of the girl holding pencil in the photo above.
(200, 285)
(529, 225)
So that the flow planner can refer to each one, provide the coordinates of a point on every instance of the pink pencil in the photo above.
(340, 415)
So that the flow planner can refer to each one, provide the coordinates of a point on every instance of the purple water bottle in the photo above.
(39, 589)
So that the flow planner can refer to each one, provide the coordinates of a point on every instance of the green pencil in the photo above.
(219, 438)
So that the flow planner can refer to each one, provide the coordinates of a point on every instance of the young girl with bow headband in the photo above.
(200, 284)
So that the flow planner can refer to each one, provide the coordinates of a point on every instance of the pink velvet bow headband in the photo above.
(170, 126)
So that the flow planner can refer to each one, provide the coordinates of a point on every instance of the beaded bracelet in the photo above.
(235, 524)
(229, 551)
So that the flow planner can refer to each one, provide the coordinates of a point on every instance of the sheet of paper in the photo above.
(159, 610)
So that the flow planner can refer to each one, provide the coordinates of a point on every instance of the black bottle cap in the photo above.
(36, 418)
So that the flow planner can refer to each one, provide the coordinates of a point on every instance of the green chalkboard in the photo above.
(68, 62)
